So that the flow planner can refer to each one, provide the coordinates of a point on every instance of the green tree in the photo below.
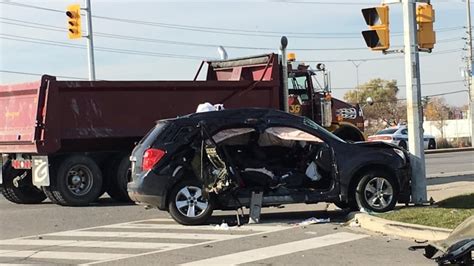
(387, 108)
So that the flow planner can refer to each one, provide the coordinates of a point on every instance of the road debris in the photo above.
(222, 226)
(313, 220)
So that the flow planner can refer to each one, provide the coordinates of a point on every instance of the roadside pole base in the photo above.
(255, 207)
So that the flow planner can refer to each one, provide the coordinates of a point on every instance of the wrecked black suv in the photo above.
(195, 164)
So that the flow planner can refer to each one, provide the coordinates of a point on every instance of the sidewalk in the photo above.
(441, 188)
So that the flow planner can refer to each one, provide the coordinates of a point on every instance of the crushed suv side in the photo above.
(203, 162)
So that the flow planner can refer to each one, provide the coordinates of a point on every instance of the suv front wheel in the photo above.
(187, 205)
(376, 192)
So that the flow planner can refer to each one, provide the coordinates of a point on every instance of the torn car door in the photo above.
(216, 168)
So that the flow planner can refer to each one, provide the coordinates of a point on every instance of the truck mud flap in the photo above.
(40, 171)
(1, 171)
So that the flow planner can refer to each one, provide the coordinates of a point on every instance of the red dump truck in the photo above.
(70, 140)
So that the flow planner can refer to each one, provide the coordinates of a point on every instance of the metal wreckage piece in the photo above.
(456, 249)
(219, 174)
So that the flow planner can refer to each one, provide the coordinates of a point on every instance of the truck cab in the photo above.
(317, 103)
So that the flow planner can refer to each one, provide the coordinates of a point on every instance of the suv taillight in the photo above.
(151, 157)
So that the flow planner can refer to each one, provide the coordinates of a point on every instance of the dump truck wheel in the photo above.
(118, 178)
(20, 191)
(47, 191)
(187, 205)
(349, 133)
(376, 191)
(52, 178)
(78, 181)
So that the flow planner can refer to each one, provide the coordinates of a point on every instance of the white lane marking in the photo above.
(194, 227)
(276, 229)
(94, 244)
(84, 232)
(38, 254)
(279, 250)
(144, 235)
(155, 220)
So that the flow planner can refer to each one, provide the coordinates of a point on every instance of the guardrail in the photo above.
(449, 150)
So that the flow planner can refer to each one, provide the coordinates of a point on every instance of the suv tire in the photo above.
(376, 192)
(187, 205)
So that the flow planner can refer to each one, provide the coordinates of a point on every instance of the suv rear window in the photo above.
(155, 131)
(387, 131)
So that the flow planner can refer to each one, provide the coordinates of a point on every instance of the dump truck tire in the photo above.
(118, 176)
(349, 133)
(23, 192)
(77, 182)
(47, 191)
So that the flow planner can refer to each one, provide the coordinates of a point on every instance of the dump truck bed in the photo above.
(63, 116)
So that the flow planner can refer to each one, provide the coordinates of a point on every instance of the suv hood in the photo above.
(377, 144)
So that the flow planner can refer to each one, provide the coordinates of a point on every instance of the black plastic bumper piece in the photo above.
(149, 189)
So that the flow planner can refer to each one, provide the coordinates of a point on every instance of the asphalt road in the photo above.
(108, 233)
(130, 235)
(453, 163)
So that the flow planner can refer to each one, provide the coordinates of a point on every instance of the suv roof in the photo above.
(240, 113)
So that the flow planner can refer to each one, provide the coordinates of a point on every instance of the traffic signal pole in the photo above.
(90, 41)
(469, 72)
(414, 114)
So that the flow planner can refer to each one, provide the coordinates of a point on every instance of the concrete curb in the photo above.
(400, 229)
(450, 174)
(449, 150)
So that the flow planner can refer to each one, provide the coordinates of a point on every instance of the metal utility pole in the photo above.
(90, 42)
(284, 69)
(357, 68)
(415, 126)
(469, 71)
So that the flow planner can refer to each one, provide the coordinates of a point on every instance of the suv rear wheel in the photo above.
(187, 205)
(376, 191)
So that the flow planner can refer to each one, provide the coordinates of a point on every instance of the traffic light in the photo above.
(74, 21)
(425, 16)
(378, 37)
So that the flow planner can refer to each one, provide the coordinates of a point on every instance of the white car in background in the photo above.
(399, 136)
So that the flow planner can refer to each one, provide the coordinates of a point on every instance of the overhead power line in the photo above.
(148, 53)
(97, 48)
(32, 6)
(387, 57)
(324, 2)
(232, 31)
(429, 95)
(35, 74)
(402, 99)
(423, 84)
(41, 26)
(17, 22)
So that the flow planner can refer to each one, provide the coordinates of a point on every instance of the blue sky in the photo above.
(259, 24)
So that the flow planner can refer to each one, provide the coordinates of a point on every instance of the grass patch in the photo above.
(448, 213)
